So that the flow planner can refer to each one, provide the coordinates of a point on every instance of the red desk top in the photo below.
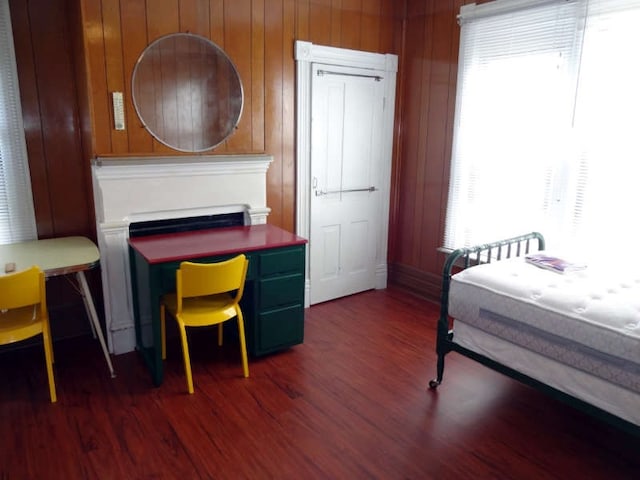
(180, 246)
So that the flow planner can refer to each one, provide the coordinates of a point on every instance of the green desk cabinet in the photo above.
(273, 300)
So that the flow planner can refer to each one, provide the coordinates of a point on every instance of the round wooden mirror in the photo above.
(187, 92)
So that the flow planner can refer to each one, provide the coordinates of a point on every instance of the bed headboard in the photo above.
(467, 257)
(501, 249)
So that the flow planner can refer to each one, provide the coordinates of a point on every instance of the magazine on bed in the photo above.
(555, 264)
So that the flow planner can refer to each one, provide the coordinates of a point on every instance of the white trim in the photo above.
(306, 54)
(135, 189)
(160, 167)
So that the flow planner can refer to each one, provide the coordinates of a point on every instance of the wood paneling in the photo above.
(238, 41)
(428, 71)
(48, 90)
(320, 22)
(72, 54)
(352, 402)
(259, 38)
(47, 53)
(132, 15)
(113, 63)
(68, 112)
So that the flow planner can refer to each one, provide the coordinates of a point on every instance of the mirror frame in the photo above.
(168, 87)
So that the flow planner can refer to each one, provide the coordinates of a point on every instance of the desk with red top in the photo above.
(273, 299)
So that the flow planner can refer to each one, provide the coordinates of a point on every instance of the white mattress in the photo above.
(593, 390)
(587, 320)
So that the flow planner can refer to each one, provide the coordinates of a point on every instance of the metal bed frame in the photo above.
(467, 257)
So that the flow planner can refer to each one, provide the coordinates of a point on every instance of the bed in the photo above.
(574, 335)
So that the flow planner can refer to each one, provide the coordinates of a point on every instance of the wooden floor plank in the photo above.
(351, 402)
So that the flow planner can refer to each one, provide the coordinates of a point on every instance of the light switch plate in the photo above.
(118, 110)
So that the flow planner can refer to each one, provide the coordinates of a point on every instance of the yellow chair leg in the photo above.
(163, 331)
(243, 345)
(185, 355)
(220, 334)
(48, 356)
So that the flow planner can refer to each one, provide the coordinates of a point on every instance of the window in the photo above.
(17, 219)
(547, 122)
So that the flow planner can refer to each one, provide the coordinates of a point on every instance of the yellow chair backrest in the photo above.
(202, 279)
(22, 289)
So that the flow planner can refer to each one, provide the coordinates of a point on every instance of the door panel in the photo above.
(346, 145)
(330, 244)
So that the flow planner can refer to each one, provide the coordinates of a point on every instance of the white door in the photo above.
(346, 165)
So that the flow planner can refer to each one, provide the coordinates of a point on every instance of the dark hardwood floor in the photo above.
(350, 403)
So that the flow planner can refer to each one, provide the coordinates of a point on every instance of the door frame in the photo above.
(306, 54)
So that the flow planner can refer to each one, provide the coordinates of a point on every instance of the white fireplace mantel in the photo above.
(137, 189)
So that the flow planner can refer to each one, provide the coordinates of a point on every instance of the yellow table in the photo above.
(60, 256)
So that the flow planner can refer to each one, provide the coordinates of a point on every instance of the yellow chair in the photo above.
(206, 294)
(23, 313)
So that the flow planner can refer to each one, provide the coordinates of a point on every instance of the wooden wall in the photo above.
(421, 176)
(258, 36)
(60, 178)
(49, 93)
(72, 53)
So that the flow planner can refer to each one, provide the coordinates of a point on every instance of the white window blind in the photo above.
(546, 122)
(607, 125)
(17, 219)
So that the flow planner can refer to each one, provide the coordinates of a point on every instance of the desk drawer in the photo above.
(280, 291)
(280, 329)
(289, 260)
